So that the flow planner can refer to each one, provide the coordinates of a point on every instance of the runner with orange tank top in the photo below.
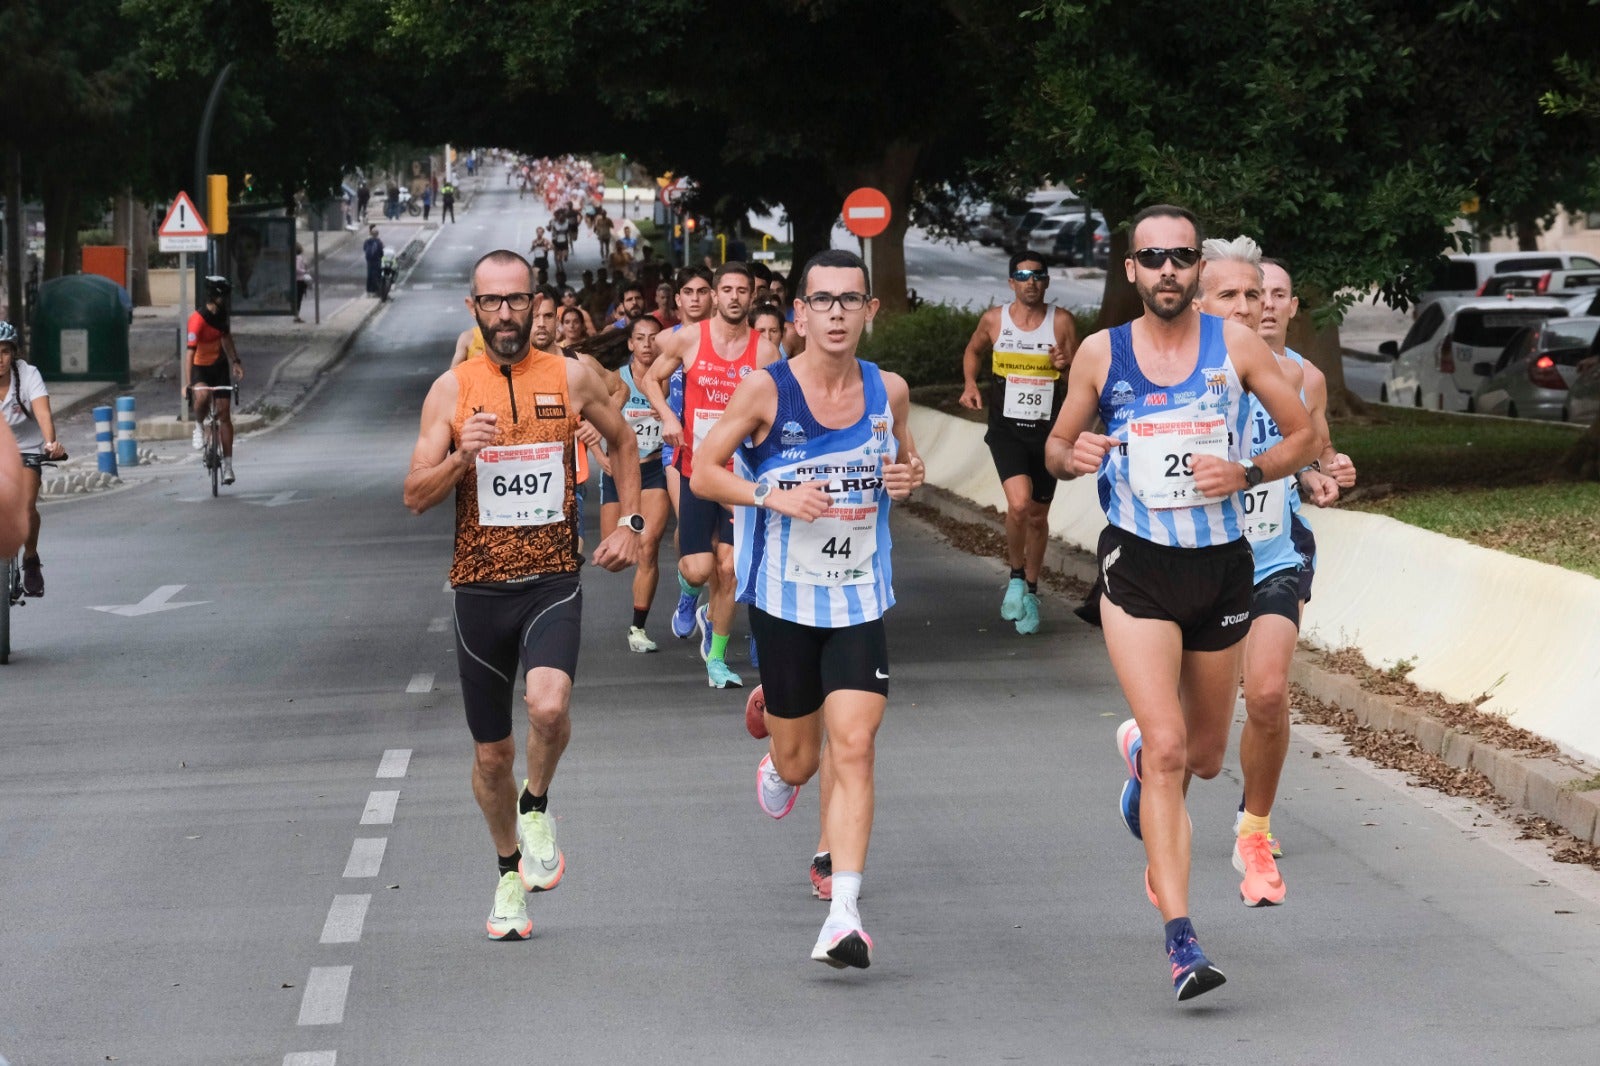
(722, 352)
(498, 433)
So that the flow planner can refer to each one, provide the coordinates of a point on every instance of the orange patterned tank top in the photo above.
(515, 507)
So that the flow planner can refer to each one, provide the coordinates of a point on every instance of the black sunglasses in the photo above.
(1025, 276)
(1155, 258)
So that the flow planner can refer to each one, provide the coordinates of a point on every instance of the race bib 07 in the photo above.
(1263, 509)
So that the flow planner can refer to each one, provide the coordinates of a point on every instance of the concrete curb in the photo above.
(1537, 785)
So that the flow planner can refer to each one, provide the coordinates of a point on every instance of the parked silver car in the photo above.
(1583, 399)
(1533, 376)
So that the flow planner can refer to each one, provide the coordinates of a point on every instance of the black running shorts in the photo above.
(1206, 591)
(1016, 456)
(701, 522)
(214, 375)
(502, 632)
(1278, 593)
(1306, 544)
(802, 665)
(652, 475)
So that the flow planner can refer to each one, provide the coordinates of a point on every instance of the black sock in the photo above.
(639, 615)
(529, 802)
(1033, 587)
(508, 863)
(1018, 574)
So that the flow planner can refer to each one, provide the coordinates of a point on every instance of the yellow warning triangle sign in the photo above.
(182, 219)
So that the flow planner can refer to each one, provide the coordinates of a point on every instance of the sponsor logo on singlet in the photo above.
(1121, 394)
(548, 405)
(880, 434)
(793, 434)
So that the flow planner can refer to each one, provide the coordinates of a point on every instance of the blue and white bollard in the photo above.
(127, 425)
(102, 441)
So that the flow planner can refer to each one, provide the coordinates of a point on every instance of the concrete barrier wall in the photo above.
(1470, 620)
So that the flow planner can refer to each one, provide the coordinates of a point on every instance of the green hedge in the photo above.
(924, 346)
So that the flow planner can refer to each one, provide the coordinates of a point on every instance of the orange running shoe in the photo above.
(1252, 856)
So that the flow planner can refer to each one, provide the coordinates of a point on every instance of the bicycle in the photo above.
(11, 594)
(211, 435)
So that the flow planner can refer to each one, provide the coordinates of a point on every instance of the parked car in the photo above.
(1074, 248)
(1461, 276)
(1041, 206)
(1042, 239)
(1543, 283)
(1583, 398)
(1533, 376)
(996, 223)
(1452, 346)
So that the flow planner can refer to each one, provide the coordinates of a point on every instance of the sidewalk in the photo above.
(283, 360)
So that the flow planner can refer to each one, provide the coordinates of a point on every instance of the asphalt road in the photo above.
(239, 829)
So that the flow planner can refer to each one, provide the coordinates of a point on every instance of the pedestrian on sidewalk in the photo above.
(427, 200)
(302, 280)
(363, 197)
(372, 248)
(391, 202)
(447, 202)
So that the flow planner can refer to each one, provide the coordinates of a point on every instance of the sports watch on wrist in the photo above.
(633, 521)
(762, 491)
(1252, 473)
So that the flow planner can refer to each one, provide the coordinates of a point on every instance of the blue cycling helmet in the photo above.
(8, 334)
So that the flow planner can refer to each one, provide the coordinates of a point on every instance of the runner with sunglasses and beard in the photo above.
(1172, 388)
(498, 433)
(1030, 343)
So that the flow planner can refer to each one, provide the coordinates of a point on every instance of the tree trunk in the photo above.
(1120, 302)
(139, 254)
(1582, 460)
(891, 173)
(811, 219)
(16, 267)
(1527, 235)
(54, 198)
(1322, 348)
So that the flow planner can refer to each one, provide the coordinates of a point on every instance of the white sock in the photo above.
(843, 911)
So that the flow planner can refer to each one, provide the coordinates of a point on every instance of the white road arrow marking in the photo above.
(154, 603)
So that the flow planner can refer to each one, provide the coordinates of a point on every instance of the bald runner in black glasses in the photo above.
(1030, 343)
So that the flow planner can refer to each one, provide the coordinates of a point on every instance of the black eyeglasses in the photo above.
(1026, 276)
(490, 301)
(824, 301)
(1155, 258)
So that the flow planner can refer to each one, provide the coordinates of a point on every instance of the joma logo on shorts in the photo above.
(1235, 619)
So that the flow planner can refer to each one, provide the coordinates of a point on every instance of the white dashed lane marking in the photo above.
(345, 919)
(366, 857)
(394, 762)
(326, 989)
(311, 1058)
(421, 682)
(380, 808)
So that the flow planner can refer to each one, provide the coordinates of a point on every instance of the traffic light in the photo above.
(217, 204)
(689, 222)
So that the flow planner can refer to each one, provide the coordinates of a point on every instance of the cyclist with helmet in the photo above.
(210, 338)
(26, 404)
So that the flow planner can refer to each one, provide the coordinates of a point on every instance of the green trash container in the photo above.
(80, 330)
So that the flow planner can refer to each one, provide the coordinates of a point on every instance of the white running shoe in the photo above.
(542, 863)
(775, 795)
(227, 471)
(508, 918)
(843, 947)
(639, 641)
(195, 439)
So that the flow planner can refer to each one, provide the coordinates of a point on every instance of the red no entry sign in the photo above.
(866, 212)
